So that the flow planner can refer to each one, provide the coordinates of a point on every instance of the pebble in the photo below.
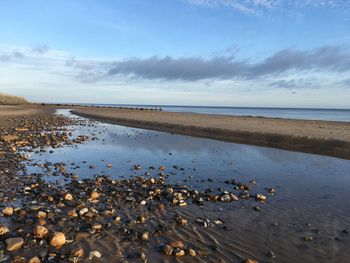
(260, 197)
(94, 195)
(94, 254)
(180, 253)
(168, 250)
(4, 230)
(68, 197)
(41, 215)
(145, 236)
(77, 252)
(8, 211)
(14, 243)
(40, 232)
(34, 260)
(192, 252)
(308, 238)
(58, 240)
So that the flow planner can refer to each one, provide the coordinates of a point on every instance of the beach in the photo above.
(125, 194)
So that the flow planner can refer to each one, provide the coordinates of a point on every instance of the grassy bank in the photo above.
(6, 99)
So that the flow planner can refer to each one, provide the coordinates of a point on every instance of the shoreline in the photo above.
(267, 132)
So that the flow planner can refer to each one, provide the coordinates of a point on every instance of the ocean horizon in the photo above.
(267, 112)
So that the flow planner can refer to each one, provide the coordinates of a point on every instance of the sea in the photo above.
(285, 113)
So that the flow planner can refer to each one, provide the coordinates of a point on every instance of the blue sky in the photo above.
(185, 52)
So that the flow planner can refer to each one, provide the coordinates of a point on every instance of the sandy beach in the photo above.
(321, 137)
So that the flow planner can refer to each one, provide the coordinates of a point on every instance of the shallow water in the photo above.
(310, 188)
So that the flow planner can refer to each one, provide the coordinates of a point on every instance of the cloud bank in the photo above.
(334, 59)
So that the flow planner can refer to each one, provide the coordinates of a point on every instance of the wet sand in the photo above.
(320, 137)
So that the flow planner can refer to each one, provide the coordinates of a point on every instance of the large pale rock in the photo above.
(14, 243)
(58, 240)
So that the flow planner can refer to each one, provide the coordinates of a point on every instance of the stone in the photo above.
(77, 252)
(94, 195)
(162, 168)
(40, 232)
(41, 215)
(4, 230)
(68, 197)
(8, 211)
(34, 260)
(177, 244)
(260, 197)
(94, 254)
(58, 240)
(180, 253)
(14, 243)
(192, 252)
(249, 260)
(145, 236)
(83, 211)
(73, 213)
(168, 250)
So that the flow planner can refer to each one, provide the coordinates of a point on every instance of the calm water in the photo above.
(287, 113)
(310, 189)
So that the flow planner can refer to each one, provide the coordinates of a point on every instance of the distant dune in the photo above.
(6, 99)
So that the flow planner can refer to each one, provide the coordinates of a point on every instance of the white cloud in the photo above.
(258, 6)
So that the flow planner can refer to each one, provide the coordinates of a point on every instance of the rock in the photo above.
(168, 250)
(58, 240)
(142, 219)
(4, 230)
(94, 254)
(249, 260)
(40, 232)
(8, 211)
(77, 252)
(182, 221)
(94, 195)
(109, 165)
(234, 197)
(162, 168)
(308, 238)
(83, 211)
(256, 208)
(180, 253)
(34, 260)
(192, 252)
(73, 213)
(68, 197)
(143, 202)
(14, 243)
(41, 215)
(97, 227)
(177, 244)
(143, 256)
(145, 236)
(260, 197)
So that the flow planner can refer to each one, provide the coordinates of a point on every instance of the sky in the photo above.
(254, 53)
